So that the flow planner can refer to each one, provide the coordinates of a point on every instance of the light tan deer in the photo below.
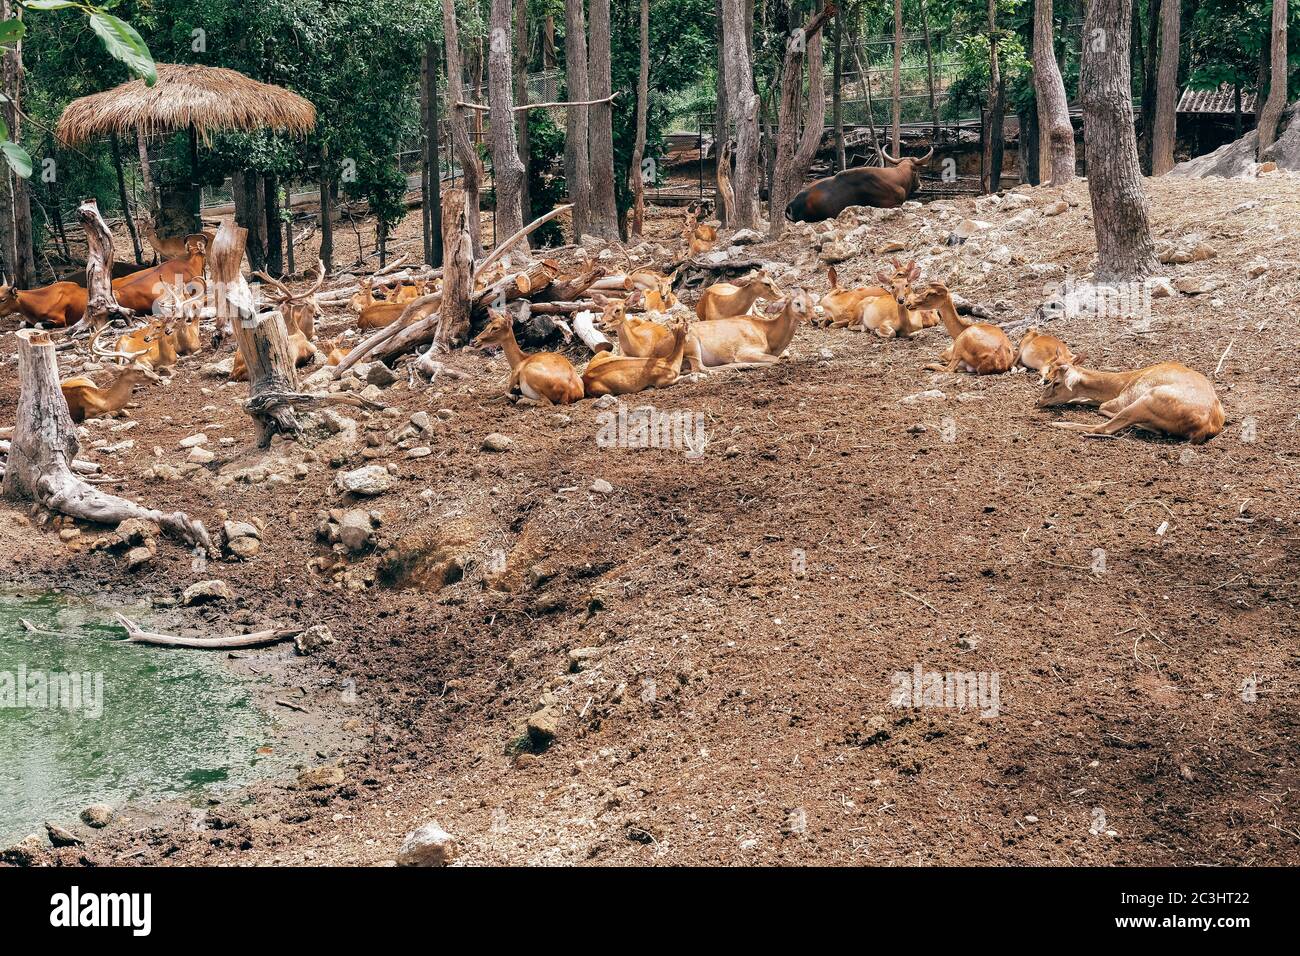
(637, 338)
(173, 248)
(1037, 350)
(699, 238)
(300, 309)
(725, 300)
(364, 297)
(545, 377)
(303, 352)
(748, 341)
(891, 316)
(87, 400)
(609, 374)
(976, 346)
(1167, 398)
(843, 307)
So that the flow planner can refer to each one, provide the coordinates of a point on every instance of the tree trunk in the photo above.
(744, 105)
(837, 105)
(101, 305)
(577, 162)
(1276, 102)
(461, 147)
(146, 173)
(457, 272)
(250, 214)
(18, 259)
(116, 150)
(636, 176)
(44, 446)
(896, 135)
(994, 138)
(507, 170)
(274, 247)
(1149, 81)
(432, 163)
(326, 211)
(1124, 246)
(521, 98)
(1166, 123)
(929, 71)
(1055, 131)
(721, 124)
(604, 207)
(548, 43)
(793, 155)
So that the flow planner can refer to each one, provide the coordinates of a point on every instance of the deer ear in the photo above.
(883, 276)
(914, 273)
(599, 299)
(1079, 358)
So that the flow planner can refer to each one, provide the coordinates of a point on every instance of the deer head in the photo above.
(500, 327)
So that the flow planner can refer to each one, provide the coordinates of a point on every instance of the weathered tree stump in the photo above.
(44, 449)
(101, 305)
(457, 271)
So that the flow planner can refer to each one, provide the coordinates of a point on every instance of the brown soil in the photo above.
(740, 711)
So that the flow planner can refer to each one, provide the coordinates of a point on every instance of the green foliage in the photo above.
(545, 174)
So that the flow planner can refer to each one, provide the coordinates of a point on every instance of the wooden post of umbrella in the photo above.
(40, 464)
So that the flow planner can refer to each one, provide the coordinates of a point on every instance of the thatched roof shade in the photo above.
(211, 98)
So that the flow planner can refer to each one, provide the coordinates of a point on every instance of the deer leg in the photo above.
(1137, 415)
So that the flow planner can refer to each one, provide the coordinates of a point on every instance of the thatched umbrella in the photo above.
(200, 99)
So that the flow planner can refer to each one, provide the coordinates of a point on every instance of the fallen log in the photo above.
(137, 635)
(584, 326)
(45, 441)
(564, 308)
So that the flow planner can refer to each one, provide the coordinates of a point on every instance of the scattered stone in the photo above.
(430, 845)
(97, 815)
(542, 727)
(497, 442)
(916, 429)
(201, 592)
(420, 451)
(601, 487)
(69, 534)
(244, 548)
(353, 530)
(380, 374)
(892, 246)
(61, 837)
(1161, 288)
(24, 853)
(746, 237)
(312, 640)
(138, 558)
(368, 481)
(581, 657)
(200, 456)
(220, 369)
(1192, 285)
(929, 395)
(193, 441)
(446, 414)
(970, 227)
(1056, 208)
(421, 421)
(317, 778)
(836, 252)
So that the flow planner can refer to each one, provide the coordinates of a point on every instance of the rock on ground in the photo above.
(430, 845)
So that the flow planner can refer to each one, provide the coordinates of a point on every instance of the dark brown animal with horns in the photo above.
(885, 188)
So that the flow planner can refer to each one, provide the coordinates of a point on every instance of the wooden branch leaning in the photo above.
(44, 446)
(137, 635)
(541, 106)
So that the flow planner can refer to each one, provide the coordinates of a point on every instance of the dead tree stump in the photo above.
(457, 270)
(44, 446)
(101, 304)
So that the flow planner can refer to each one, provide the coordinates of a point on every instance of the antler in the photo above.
(110, 354)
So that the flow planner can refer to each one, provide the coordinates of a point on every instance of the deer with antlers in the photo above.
(300, 309)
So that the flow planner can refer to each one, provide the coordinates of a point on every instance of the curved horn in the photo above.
(887, 158)
(278, 287)
(922, 160)
(320, 278)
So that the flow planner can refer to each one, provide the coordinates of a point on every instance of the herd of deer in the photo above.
(725, 332)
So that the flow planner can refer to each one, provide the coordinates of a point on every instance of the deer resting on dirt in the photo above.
(637, 338)
(1168, 398)
(622, 375)
(976, 346)
(173, 248)
(725, 300)
(87, 400)
(748, 341)
(545, 377)
(1038, 350)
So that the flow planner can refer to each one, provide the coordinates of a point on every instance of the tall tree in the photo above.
(16, 256)
(577, 162)
(721, 127)
(507, 170)
(522, 45)
(896, 133)
(1125, 249)
(794, 154)
(1055, 132)
(462, 149)
(1149, 81)
(837, 105)
(744, 105)
(1166, 121)
(995, 137)
(1272, 111)
(635, 175)
(604, 206)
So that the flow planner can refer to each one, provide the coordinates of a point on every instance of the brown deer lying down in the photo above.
(844, 306)
(1168, 398)
(545, 377)
(747, 341)
(622, 375)
(173, 248)
(638, 338)
(334, 353)
(303, 351)
(725, 300)
(364, 297)
(153, 345)
(976, 346)
(87, 400)
(1038, 350)
(60, 304)
(699, 238)
(890, 316)
(380, 315)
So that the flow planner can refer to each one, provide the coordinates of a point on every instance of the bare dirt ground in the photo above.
(749, 607)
